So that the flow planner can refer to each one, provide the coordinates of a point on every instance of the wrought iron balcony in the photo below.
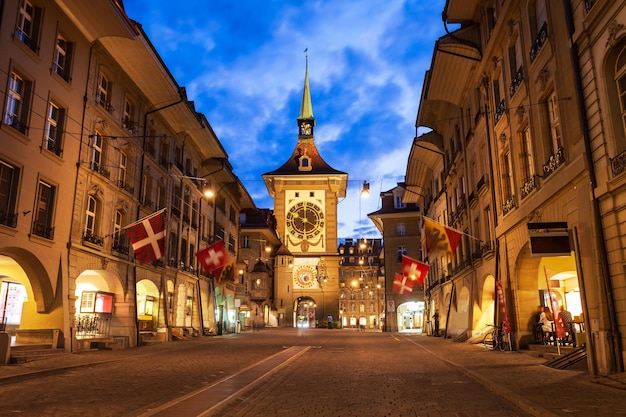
(499, 112)
(8, 219)
(553, 163)
(89, 237)
(618, 164)
(529, 185)
(43, 230)
(517, 81)
(539, 41)
(509, 205)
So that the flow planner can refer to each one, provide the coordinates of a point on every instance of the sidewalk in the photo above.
(523, 379)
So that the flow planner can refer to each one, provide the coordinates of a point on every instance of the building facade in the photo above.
(99, 135)
(520, 161)
(258, 243)
(400, 225)
(361, 284)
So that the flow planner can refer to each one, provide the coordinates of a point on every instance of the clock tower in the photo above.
(306, 191)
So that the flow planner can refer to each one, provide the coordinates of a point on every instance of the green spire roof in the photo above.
(306, 108)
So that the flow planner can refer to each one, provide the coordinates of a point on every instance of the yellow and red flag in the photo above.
(440, 238)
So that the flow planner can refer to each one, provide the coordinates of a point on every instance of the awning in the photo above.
(426, 154)
(455, 57)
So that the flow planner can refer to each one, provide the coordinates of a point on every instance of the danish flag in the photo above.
(147, 237)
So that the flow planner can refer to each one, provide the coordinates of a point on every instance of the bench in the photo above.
(40, 337)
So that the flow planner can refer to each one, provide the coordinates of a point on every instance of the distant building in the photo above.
(400, 225)
(361, 284)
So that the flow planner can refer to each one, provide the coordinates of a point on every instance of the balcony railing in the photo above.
(517, 81)
(539, 41)
(89, 237)
(509, 205)
(553, 163)
(499, 112)
(43, 230)
(529, 185)
(126, 187)
(618, 164)
(8, 219)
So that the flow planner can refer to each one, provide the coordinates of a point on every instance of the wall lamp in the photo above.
(365, 191)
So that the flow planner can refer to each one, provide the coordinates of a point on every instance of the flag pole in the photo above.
(156, 213)
(452, 228)
(554, 313)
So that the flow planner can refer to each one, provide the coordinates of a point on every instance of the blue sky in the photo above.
(243, 64)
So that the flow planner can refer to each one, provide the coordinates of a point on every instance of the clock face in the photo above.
(305, 220)
(305, 276)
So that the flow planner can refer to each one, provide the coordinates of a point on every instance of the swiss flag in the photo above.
(415, 270)
(212, 258)
(402, 285)
(147, 237)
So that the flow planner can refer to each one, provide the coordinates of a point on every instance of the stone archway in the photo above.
(304, 312)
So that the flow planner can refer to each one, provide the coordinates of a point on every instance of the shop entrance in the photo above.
(411, 317)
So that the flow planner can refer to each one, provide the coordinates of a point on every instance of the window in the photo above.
(245, 241)
(507, 177)
(398, 202)
(402, 250)
(53, 132)
(231, 243)
(401, 229)
(129, 115)
(28, 25)
(62, 58)
(9, 177)
(516, 66)
(104, 92)
(161, 195)
(96, 151)
(122, 171)
(91, 216)
(120, 240)
(42, 224)
(18, 102)
(528, 162)
(506, 184)
(555, 123)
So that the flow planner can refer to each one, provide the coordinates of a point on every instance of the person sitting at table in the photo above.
(547, 321)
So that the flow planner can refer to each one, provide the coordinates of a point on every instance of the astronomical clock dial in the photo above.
(305, 220)
(305, 276)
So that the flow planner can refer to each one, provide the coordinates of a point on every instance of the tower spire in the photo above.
(306, 120)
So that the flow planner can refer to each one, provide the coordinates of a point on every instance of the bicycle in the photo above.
(496, 339)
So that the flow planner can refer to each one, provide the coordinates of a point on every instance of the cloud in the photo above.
(243, 66)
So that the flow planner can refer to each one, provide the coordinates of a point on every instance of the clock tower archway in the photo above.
(306, 191)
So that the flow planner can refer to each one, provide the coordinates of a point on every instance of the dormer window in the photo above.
(305, 163)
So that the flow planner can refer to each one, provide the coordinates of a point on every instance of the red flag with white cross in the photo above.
(415, 270)
(213, 257)
(402, 285)
(147, 237)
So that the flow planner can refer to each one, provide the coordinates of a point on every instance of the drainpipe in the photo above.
(617, 363)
